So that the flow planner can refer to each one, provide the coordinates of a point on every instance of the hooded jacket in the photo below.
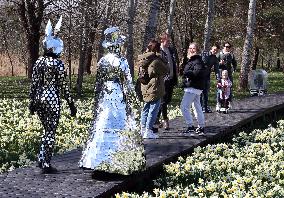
(157, 69)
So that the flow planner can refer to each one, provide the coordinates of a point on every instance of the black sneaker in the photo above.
(158, 124)
(155, 130)
(199, 130)
(208, 110)
(190, 129)
(39, 164)
(49, 170)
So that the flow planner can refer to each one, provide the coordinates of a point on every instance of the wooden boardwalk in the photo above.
(71, 181)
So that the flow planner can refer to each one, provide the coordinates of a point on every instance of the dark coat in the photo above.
(174, 79)
(211, 61)
(194, 73)
(230, 61)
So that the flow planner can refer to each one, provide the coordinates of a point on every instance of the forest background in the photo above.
(22, 25)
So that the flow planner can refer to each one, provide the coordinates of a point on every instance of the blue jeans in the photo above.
(149, 114)
(192, 100)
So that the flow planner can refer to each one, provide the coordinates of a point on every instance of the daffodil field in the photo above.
(21, 132)
(251, 166)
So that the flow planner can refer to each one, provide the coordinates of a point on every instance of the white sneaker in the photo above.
(230, 105)
(218, 107)
(149, 134)
(142, 131)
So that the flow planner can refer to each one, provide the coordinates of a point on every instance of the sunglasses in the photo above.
(227, 46)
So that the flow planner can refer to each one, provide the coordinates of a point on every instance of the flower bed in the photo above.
(251, 166)
(21, 132)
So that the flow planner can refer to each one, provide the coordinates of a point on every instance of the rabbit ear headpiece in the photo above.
(52, 42)
(58, 25)
(113, 37)
(48, 30)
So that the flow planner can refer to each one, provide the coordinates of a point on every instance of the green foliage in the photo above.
(19, 86)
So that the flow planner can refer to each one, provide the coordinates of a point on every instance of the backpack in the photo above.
(143, 75)
(143, 65)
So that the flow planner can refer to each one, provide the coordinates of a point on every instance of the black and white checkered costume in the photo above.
(48, 81)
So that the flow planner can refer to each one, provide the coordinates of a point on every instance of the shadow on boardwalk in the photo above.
(71, 181)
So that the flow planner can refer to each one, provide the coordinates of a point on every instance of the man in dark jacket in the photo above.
(194, 76)
(168, 53)
(227, 62)
(211, 61)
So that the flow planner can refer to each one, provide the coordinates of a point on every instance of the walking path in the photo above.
(71, 181)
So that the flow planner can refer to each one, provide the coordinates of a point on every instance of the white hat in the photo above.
(113, 37)
(53, 42)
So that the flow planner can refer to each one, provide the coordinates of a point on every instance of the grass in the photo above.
(18, 87)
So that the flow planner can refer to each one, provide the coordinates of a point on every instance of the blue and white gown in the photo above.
(115, 144)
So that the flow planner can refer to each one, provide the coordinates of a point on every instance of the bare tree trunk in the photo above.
(132, 6)
(152, 23)
(278, 59)
(255, 58)
(10, 58)
(33, 50)
(184, 23)
(247, 46)
(187, 41)
(31, 15)
(92, 15)
(89, 51)
(171, 17)
(171, 29)
(101, 49)
(7, 47)
(83, 44)
(208, 25)
(69, 45)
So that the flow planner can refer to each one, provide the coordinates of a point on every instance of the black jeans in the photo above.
(167, 98)
(204, 95)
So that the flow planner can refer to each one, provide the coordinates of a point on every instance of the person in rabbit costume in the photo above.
(115, 144)
(48, 82)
